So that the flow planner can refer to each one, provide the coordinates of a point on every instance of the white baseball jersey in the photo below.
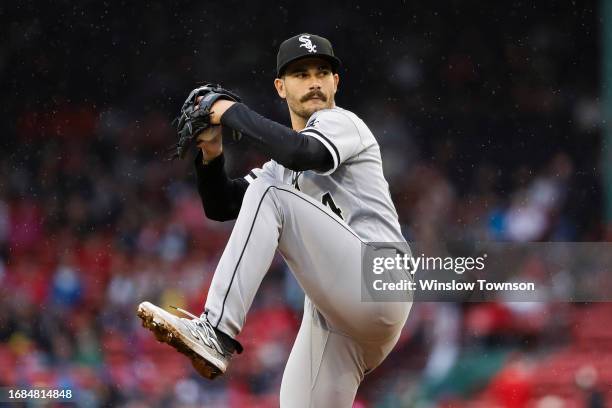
(355, 188)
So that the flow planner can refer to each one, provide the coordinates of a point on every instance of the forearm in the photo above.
(293, 150)
(221, 196)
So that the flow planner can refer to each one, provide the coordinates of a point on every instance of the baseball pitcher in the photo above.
(320, 197)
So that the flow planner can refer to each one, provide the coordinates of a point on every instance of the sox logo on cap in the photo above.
(306, 43)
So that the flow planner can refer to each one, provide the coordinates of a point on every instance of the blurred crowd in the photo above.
(489, 124)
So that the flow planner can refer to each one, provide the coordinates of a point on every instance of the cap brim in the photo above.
(334, 61)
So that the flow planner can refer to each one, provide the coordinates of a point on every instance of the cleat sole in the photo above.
(166, 333)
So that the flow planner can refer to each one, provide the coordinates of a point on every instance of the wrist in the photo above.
(208, 157)
(218, 109)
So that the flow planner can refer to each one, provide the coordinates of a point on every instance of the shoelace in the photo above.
(202, 329)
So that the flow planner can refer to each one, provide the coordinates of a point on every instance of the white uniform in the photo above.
(319, 223)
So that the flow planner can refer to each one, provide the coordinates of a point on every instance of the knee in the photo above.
(259, 187)
(263, 189)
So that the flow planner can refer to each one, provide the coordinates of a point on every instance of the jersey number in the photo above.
(329, 201)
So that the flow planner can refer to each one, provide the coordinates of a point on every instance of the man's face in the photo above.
(308, 85)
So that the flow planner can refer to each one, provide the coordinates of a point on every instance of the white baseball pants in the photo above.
(341, 338)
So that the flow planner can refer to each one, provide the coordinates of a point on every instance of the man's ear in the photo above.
(336, 81)
(279, 84)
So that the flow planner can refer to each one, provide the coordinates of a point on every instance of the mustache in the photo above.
(314, 94)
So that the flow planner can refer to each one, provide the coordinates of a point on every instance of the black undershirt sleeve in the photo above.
(295, 151)
(221, 196)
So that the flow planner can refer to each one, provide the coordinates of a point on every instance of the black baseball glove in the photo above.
(191, 121)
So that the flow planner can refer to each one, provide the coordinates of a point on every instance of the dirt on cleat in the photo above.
(166, 335)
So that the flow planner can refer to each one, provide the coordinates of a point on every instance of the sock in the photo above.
(229, 343)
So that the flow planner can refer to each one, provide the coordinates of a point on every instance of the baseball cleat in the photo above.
(208, 349)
